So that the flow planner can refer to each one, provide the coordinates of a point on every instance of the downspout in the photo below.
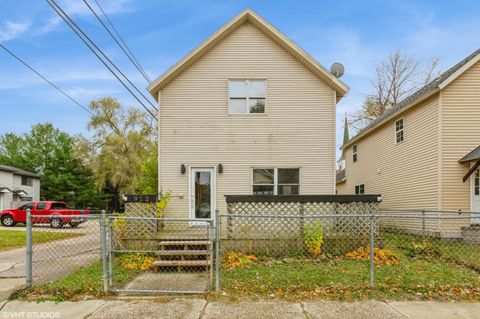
(160, 190)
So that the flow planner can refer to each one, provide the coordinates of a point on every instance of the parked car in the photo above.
(10, 217)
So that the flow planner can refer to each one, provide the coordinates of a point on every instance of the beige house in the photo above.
(424, 153)
(245, 112)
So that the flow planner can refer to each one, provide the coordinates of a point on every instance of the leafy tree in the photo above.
(48, 152)
(148, 181)
(122, 147)
(396, 78)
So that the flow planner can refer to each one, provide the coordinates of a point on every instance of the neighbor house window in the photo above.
(477, 182)
(246, 96)
(360, 189)
(27, 181)
(276, 181)
(354, 153)
(399, 131)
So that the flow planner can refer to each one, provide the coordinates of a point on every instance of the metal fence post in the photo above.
(110, 253)
(28, 262)
(372, 253)
(217, 250)
(103, 227)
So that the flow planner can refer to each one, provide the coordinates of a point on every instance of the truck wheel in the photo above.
(73, 224)
(8, 221)
(56, 223)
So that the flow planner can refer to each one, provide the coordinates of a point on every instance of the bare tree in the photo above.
(395, 79)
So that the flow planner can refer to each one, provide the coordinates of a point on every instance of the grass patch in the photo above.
(449, 250)
(348, 280)
(449, 274)
(85, 282)
(10, 239)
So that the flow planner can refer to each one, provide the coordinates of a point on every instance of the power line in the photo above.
(124, 47)
(48, 81)
(75, 27)
(79, 32)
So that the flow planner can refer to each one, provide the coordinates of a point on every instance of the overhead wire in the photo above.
(94, 48)
(123, 45)
(44, 78)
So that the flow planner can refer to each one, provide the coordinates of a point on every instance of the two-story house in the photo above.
(16, 186)
(246, 112)
(423, 153)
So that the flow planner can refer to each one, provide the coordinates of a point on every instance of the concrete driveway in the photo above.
(51, 260)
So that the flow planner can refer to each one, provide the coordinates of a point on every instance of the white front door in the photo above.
(475, 201)
(202, 194)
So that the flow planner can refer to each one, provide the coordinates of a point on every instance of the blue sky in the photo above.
(358, 34)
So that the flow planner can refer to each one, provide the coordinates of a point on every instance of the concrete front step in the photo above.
(181, 263)
(183, 253)
(184, 243)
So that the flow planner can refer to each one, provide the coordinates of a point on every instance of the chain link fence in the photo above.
(258, 247)
(160, 255)
(268, 252)
(60, 246)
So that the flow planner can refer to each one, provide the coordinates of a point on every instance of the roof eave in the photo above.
(247, 15)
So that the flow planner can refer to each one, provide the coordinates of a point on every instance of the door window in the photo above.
(203, 194)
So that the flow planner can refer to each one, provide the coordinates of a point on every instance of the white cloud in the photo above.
(11, 30)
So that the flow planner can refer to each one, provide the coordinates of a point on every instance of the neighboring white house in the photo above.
(17, 186)
(247, 112)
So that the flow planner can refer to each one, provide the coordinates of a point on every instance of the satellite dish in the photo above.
(337, 69)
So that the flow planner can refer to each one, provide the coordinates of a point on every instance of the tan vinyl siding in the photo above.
(460, 135)
(405, 173)
(196, 129)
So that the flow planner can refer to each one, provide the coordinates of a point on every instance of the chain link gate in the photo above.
(160, 255)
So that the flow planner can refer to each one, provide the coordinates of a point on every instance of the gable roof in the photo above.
(18, 171)
(273, 33)
(420, 95)
(474, 155)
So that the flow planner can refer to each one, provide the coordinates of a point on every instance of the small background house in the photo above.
(17, 186)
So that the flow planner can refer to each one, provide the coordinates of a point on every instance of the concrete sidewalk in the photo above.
(200, 308)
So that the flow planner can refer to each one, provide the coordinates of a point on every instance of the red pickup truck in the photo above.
(10, 217)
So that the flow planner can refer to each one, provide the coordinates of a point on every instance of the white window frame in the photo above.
(275, 179)
(191, 193)
(355, 153)
(397, 131)
(358, 185)
(28, 181)
(247, 97)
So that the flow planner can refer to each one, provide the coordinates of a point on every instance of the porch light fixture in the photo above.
(220, 168)
(182, 169)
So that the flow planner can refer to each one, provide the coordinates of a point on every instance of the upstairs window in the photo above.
(354, 153)
(399, 131)
(27, 181)
(246, 96)
(276, 181)
(360, 189)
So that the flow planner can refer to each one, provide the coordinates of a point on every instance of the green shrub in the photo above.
(424, 248)
(313, 238)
